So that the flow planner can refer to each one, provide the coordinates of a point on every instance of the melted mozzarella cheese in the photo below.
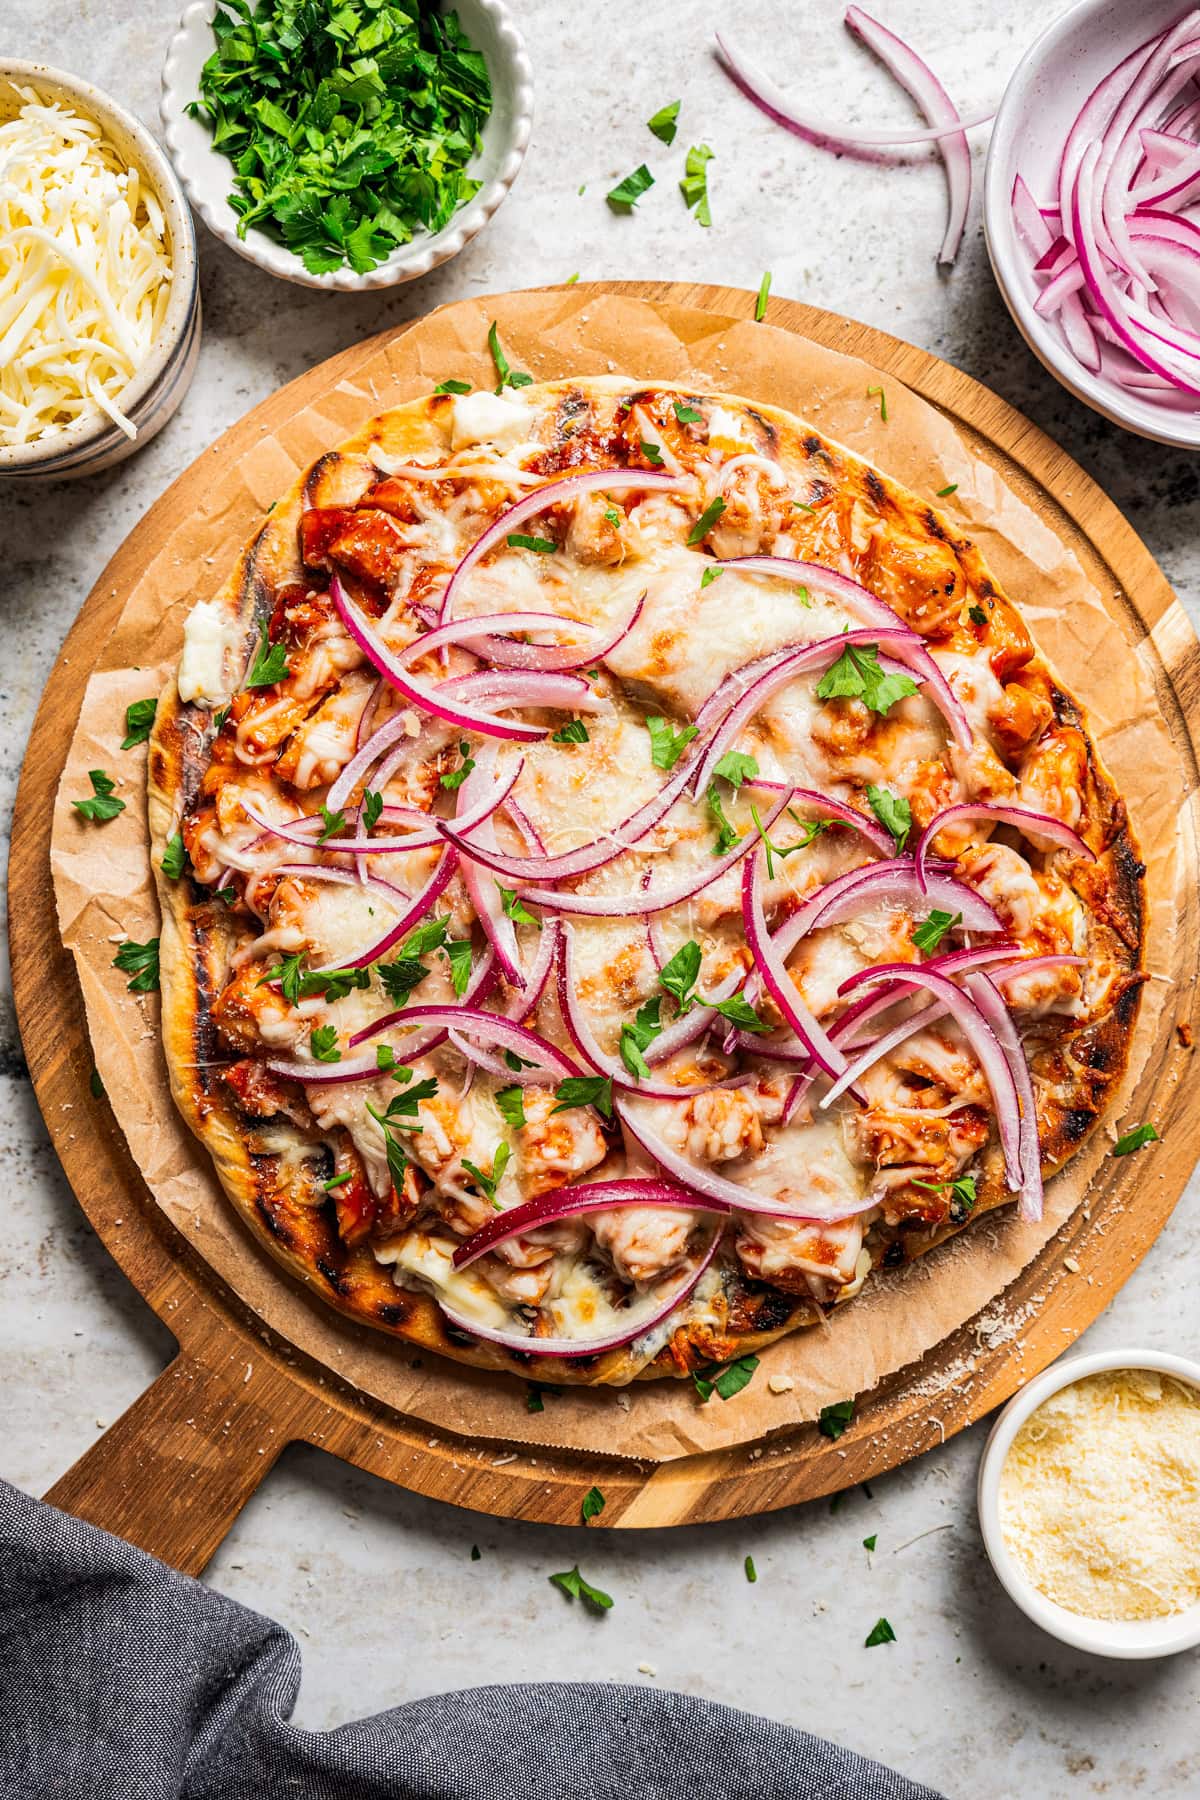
(210, 638)
(485, 418)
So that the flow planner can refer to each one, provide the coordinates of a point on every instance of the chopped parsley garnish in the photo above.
(514, 909)
(297, 983)
(102, 804)
(834, 1419)
(694, 186)
(706, 521)
(1137, 1139)
(476, 1553)
(869, 1542)
(489, 1183)
(893, 812)
(269, 666)
(611, 517)
(593, 1505)
(708, 577)
(804, 597)
(666, 744)
(575, 1587)
(452, 387)
(227, 894)
(725, 1379)
(535, 1394)
(880, 1633)
(519, 540)
(653, 454)
(429, 935)
(140, 961)
(324, 1043)
(930, 932)
(727, 834)
(687, 415)
(139, 722)
(812, 828)
(571, 279)
(751, 1571)
(506, 376)
(399, 978)
(665, 122)
(857, 675)
(738, 1010)
(510, 1104)
(333, 822)
(871, 393)
(385, 1057)
(349, 128)
(96, 1085)
(625, 196)
(338, 1181)
(760, 305)
(372, 809)
(585, 1090)
(516, 1063)
(458, 954)
(574, 733)
(220, 717)
(977, 615)
(962, 1195)
(401, 1116)
(950, 488)
(637, 1038)
(680, 974)
(456, 777)
(174, 857)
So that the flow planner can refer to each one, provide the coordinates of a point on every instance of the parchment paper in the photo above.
(104, 891)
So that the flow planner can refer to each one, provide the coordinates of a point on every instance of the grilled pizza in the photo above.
(626, 874)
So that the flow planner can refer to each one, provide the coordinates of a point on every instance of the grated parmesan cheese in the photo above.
(84, 273)
(1100, 1496)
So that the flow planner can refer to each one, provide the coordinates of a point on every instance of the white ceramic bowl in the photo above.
(207, 175)
(1049, 87)
(160, 384)
(1126, 1638)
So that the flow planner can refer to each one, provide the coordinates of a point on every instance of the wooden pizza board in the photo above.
(173, 1472)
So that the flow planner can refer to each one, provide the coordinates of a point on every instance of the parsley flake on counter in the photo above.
(519, 540)
(506, 376)
(760, 305)
(453, 387)
(269, 666)
(706, 521)
(593, 1505)
(575, 1587)
(349, 129)
(535, 1394)
(102, 804)
(687, 415)
(139, 722)
(666, 744)
(869, 1543)
(680, 974)
(665, 122)
(174, 857)
(694, 186)
(625, 196)
(1137, 1139)
(324, 1043)
(585, 1090)
(725, 1379)
(476, 1553)
(751, 1571)
(576, 732)
(488, 1184)
(571, 279)
(880, 1633)
(951, 487)
(930, 932)
(871, 393)
(510, 1104)
(513, 908)
(893, 812)
(140, 961)
(834, 1419)
(856, 675)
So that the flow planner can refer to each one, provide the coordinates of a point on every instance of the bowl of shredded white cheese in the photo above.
(1089, 1502)
(99, 300)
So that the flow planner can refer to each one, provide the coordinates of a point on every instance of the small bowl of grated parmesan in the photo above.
(99, 300)
(1089, 1502)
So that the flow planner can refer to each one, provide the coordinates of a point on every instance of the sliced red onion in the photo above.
(845, 139)
(481, 887)
(918, 79)
(998, 1017)
(470, 1020)
(554, 493)
(524, 687)
(357, 878)
(693, 1024)
(571, 1203)
(718, 1188)
(491, 636)
(301, 831)
(778, 982)
(1026, 820)
(873, 882)
(437, 884)
(809, 798)
(430, 700)
(524, 1002)
(364, 760)
(661, 1306)
(851, 595)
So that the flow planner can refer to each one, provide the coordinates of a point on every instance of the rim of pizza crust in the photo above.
(197, 933)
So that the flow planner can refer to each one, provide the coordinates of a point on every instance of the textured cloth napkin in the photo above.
(122, 1680)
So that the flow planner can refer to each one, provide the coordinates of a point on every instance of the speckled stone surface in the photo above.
(379, 1585)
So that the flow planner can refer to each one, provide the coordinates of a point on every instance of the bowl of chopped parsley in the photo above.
(346, 144)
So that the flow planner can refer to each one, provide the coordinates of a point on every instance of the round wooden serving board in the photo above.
(173, 1472)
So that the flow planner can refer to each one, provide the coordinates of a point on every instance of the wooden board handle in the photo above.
(174, 1471)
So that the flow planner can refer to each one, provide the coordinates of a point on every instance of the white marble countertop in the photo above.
(379, 1585)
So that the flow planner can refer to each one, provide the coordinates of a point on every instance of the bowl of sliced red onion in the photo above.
(1092, 210)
